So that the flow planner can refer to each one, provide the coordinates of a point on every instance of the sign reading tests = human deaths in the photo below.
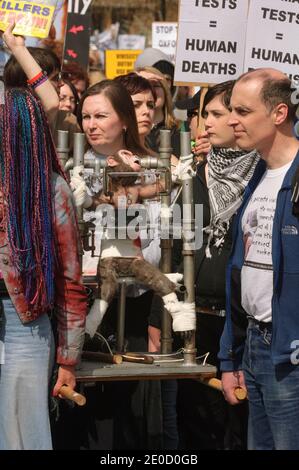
(211, 41)
(272, 38)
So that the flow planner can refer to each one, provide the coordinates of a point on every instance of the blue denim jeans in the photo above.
(24, 382)
(273, 394)
(169, 391)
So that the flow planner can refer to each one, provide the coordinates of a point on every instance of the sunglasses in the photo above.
(191, 114)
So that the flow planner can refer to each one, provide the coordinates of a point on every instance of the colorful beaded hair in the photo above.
(27, 160)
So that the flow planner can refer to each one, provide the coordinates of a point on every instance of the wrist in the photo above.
(67, 368)
(18, 50)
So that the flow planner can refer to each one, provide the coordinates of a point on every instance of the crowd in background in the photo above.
(128, 113)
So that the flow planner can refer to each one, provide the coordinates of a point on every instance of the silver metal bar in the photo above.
(188, 248)
(63, 147)
(78, 160)
(165, 151)
(121, 314)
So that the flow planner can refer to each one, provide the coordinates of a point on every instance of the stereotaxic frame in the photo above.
(161, 164)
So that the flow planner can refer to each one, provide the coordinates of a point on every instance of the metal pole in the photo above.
(121, 314)
(62, 147)
(78, 160)
(165, 151)
(188, 245)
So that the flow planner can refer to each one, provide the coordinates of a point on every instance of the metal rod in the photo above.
(63, 147)
(121, 314)
(165, 151)
(188, 245)
(78, 160)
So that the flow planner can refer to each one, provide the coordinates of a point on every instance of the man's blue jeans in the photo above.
(273, 394)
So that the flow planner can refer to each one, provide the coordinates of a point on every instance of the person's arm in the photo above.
(70, 294)
(45, 91)
(154, 339)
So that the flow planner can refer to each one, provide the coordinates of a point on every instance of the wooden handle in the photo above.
(67, 392)
(240, 393)
(201, 121)
(102, 357)
(138, 358)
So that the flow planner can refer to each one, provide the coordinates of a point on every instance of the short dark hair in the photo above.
(274, 91)
(136, 84)
(15, 77)
(224, 88)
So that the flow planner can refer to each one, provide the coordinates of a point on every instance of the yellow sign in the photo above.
(120, 62)
(32, 19)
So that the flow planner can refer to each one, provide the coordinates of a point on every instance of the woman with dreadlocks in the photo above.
(39, 270)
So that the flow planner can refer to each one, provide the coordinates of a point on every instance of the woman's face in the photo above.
(67, 101)
(103, 128)
(156, 83)
(144, 105)
(216, 123)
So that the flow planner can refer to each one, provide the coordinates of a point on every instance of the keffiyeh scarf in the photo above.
(229, 172)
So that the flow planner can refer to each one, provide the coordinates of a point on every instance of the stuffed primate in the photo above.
(123, 257)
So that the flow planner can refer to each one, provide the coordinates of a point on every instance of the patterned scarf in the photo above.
(229, 172)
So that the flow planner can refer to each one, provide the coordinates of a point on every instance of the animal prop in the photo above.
(123, 257)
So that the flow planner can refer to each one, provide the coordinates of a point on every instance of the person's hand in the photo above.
(66, 376)
(79, 188)
(11, 41)
(231, 381)
(183, 168)
(154, 78)
(202, 146)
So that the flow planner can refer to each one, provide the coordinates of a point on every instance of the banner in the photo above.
(211, 41)
(31, 18)
(164, 37)
(131, 41)
(120, 62)
(76, 47)
(273, 36)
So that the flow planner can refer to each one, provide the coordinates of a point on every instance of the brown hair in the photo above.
(136, 84)
(122, 104)
(225, 89)
(274, 91)
(14, 76)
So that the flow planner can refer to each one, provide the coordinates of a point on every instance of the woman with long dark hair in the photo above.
(39, 266)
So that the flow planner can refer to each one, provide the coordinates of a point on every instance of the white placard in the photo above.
(211, 41)
(273, 36)
(131, 41)
(164, 37)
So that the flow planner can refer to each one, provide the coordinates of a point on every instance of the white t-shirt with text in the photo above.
(257, 226)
